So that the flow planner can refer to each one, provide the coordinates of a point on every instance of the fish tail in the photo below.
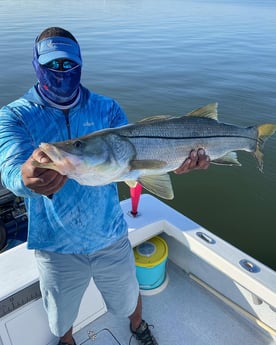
(264, 132)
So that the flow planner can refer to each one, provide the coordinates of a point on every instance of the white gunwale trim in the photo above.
(157, 217)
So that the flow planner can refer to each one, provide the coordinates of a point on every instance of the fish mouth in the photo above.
(51, 151)
(63, 161)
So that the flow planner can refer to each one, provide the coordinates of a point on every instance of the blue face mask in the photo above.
(59, 87)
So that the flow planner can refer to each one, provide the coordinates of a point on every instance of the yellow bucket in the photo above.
(150, 259)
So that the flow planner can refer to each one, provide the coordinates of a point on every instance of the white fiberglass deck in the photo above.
(183, 314)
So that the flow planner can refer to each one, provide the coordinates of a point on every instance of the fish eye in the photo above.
(77, 144)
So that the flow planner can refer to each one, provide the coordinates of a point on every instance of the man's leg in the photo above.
(136, 317)
(139, 327)
(63, 281)
(68, 338)
(115, 275)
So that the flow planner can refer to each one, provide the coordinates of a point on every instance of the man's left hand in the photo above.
(196, 160)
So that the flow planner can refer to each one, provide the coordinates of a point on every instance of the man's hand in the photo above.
(196, 160)
(39, 180)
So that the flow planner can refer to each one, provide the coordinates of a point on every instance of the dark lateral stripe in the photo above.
(190, 137)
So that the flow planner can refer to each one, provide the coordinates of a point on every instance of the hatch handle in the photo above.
(205, 237)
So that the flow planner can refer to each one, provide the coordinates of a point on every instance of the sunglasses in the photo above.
(61, 65)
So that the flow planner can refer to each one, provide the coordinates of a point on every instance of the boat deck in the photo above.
(218, 303)
(183, 313)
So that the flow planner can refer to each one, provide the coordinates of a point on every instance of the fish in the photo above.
(146, 151)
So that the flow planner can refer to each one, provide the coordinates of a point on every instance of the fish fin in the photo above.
(209, 111)
(147, 164)
(159, 185)
(264, 132)
(230, 158)
(155, 118)
(131, 184)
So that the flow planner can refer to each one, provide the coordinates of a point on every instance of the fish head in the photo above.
(76, 156)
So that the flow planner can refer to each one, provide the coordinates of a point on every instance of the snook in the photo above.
(147, 150)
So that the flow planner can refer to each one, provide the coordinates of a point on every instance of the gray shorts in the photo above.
(65, 277)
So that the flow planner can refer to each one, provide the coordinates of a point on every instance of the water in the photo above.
(169, 57)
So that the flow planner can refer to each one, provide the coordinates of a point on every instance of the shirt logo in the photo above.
(88, 124)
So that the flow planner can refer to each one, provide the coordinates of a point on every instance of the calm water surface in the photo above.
(169, 57)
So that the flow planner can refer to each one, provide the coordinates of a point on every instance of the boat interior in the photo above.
(212, 293)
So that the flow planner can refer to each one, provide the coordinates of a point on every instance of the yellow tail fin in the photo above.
(264, 132)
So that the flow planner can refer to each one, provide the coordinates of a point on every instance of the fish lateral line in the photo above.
(187, 137)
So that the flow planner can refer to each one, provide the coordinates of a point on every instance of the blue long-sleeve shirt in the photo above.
(78, 219)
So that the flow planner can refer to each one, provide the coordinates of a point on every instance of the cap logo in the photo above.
(52, 44)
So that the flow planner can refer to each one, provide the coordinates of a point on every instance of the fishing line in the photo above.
(93, 336)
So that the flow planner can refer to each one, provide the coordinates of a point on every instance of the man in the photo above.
(76, 231)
